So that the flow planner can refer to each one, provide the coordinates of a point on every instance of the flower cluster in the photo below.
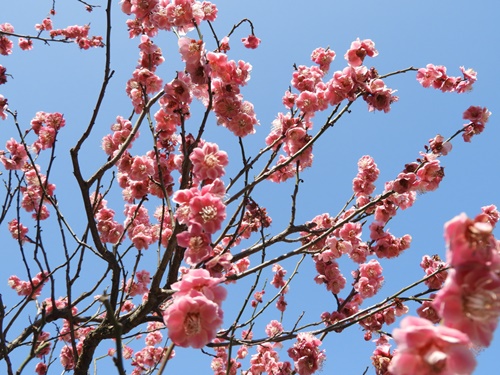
(18, 231)
(478, 117)
(18, 155)
(254, 219)
(5, 43)
(267, 360)
(203, 212)
(139, 287)
(431, 265)
(222, 364)
(139, 228)
(427, 349)
(306, 356)
(468, 303)
(46, 125)
(315, 95)
(80, 35)
(110, 230)
(154, 15)
(3, 107)
(144, 81)
(32, 288)
(195, 314)
(36, 192)
(231, 110)
(470, 298)
(382, 356)
(436, 77)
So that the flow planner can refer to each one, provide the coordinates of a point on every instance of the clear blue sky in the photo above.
(450, 33)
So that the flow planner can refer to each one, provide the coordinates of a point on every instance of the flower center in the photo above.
(208, 213)
(211, 160)
(195, 243)
(192, 324)
(483, 304)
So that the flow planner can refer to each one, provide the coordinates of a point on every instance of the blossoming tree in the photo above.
(157, 231)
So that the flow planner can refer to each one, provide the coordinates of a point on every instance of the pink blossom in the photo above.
(478, 117)
(18, 155)
(274, 328)
(148, 357)
(378, 96)
(3, 106)
(307, 78)
(43, 346)
(359, 50)
(3, 75)
(197, 244)
(278, 280)
(45, 25)
(389, 246)
(31, 289)
(330, 275)
(142, 167)
(491, 214)
(25, 44)
(141, 286)
(438, 146)
(209, 10)
(5, 43)
(425, 349)
(306, 356)
(251, 41)
(67, 357)
(382, 356)
(17, 230)
(208, 211)
(192, 320)
(154, 336)
(41, 368)
(465, 85)
(469, 241)
(470, 302)
(199, 280)
(370, 278)
(323, 57)
(431, 265)
(427, 311)
(208, 161)
(431, 75)
(281, 304)
(430, 175)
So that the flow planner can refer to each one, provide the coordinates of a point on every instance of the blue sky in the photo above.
(451, 33)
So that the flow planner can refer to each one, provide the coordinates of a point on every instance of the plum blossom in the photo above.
(478, 117)
(208, 161)
(251, 41)
(306, 356)
(5, 43)
(425, 349)
(470, 302)
(32, 288)
(436, 76)
(195, 313)
(323, 57)
(359, 50)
